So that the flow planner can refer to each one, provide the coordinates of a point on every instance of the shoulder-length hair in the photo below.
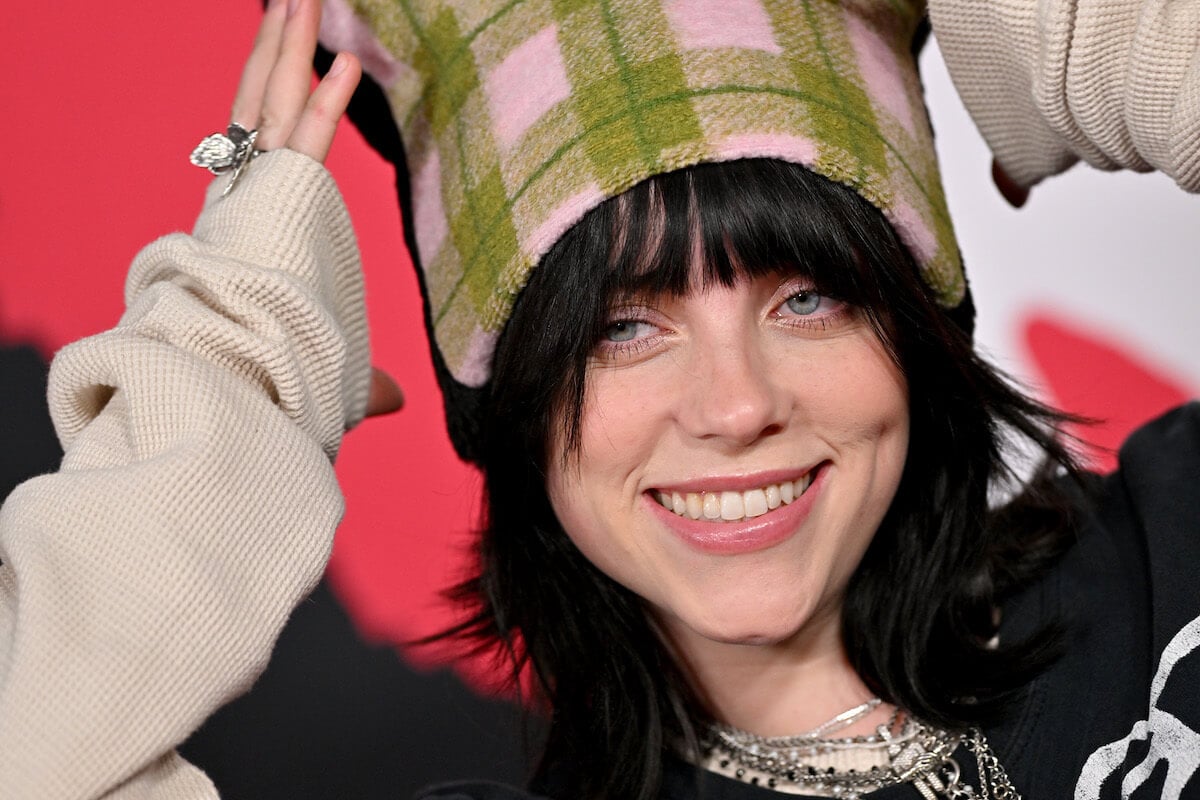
(919, 610)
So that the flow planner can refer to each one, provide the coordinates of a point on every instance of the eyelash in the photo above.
(815, 321)
(634, 347)
(609, 350)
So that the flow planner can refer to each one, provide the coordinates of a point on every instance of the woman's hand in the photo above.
(274, 96)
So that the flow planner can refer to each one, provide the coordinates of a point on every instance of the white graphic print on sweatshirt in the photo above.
(1169, 738)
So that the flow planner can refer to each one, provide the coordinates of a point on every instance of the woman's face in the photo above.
(728, 403)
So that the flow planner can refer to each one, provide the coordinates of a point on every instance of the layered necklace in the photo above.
(904, 750)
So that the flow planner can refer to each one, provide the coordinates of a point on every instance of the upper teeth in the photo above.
(732, 506)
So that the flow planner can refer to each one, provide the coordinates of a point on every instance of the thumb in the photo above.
(1013, 192)
(384, 395)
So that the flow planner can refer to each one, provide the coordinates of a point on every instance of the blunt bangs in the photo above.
(712, 224)
(715, 224)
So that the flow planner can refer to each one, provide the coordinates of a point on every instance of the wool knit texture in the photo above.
(1114, 82)
(519, 116)
(144, 583)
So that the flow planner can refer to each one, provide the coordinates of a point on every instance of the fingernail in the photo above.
(337, 67)
(292, 6)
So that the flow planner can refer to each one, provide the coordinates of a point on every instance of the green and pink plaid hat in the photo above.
(519, 116)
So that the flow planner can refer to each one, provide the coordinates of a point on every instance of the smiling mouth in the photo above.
(733, 506)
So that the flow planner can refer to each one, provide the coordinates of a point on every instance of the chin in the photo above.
(755, 621)
(750, 639)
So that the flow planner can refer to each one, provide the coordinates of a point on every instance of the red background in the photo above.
(102, 105)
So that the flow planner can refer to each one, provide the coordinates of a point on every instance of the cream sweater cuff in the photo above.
(1114, 82)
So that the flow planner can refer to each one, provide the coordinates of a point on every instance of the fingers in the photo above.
(314, 130)
(274, 93)
(287, 87)
(247, 105)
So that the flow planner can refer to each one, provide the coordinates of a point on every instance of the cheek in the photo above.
(587, 496)
(620, 418)
(864, 403)
(882, 408)
(596, 496)
(621, 430)
(860, 396)
(581, 511)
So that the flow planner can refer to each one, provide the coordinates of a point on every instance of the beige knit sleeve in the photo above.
(1048, 82)
(143, 585)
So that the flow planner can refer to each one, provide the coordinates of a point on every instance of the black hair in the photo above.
(918, 612)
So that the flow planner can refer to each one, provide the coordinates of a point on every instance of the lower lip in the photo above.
(744, 536)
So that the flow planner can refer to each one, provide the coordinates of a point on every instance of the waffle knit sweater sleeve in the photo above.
(1048, 82)
(144, 584)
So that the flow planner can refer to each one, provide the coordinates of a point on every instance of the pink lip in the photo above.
(748, 535)
(739, 483)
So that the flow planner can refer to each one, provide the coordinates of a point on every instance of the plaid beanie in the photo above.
(517, 117)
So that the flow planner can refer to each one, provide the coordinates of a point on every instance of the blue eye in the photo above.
(804, 303)
(623, 330)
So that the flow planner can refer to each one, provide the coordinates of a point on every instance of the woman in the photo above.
(749, 329)
(647, 363)
(780, 453)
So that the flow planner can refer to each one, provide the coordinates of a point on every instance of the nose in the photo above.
(734, 395)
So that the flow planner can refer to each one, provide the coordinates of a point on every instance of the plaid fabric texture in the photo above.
(518, 116)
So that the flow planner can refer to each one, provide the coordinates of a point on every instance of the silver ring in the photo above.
(226, 152)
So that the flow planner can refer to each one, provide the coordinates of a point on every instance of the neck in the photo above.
(776, 689)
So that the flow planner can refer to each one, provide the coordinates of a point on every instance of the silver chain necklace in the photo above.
(916, 753)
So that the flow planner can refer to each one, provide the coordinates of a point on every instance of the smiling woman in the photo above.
(728, 394)
(697, 514)
(699, 314)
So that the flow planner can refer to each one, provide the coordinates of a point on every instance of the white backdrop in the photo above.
(1112, 255)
